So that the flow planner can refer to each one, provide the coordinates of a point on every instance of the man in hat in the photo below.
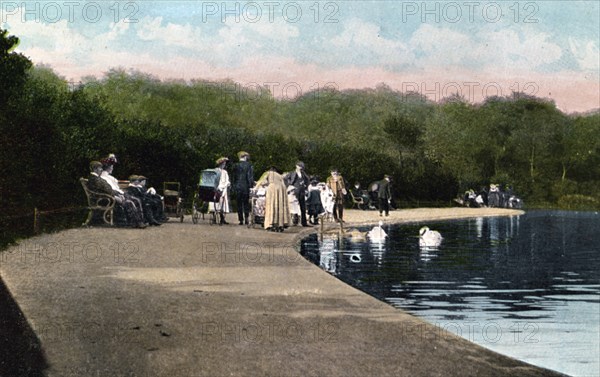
(152, 205)
(299, 179)
(336, 183)
(244, 181)
(97, 184)
(384, 195)
(155, 200)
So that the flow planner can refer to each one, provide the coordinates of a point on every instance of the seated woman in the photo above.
(108, 164)
(95, 183)
(277, 213)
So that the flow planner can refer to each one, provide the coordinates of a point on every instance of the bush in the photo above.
(578, 202)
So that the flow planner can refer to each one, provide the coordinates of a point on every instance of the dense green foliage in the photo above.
(170, 130)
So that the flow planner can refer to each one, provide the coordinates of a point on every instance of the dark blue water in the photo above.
(525, 286)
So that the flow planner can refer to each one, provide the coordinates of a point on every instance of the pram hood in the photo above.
(209, 178)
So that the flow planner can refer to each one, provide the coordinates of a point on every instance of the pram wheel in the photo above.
(213, 218)
(195, 217)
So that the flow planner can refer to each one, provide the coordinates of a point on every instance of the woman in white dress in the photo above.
(222, 206)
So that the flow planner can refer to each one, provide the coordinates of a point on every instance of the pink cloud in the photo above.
(571, 91)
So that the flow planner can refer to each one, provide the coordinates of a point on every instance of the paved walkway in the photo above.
(201, 300)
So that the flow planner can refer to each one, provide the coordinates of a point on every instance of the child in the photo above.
(313, 203)
(294, 204)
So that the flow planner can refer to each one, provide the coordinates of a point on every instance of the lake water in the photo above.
(525, 286)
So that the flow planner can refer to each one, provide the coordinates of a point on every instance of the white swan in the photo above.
(377, 234)
(429, 238)
(354, 235)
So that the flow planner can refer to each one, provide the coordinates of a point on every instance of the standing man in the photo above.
(384, 195)
(299, 179)
(336, 183)
(244, 181)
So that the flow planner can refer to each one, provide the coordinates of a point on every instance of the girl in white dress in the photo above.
(222, 206)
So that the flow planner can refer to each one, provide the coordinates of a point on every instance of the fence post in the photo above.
(36, 221)
(321, 225)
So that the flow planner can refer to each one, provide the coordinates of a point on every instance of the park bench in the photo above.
(123, 184)
(97, 201)
(357, 202)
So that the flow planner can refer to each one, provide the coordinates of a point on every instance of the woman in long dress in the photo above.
(277, 212)
(222, 206)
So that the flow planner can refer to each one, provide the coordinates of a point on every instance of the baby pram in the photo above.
(258, 198)
(206, 193)
(173, 203)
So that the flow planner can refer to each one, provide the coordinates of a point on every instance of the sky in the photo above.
(437, 48)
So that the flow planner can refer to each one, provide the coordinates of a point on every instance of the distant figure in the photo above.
(384, 195)
(377, 234)
(494, 196)
(429, 238)
(470, 198)
(358, 193)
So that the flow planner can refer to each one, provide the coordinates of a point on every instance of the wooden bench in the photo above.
(359, 203)
(98, 202)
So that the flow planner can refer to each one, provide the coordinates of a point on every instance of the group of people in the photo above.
(495, 197)
(286, 194)
(135, 206)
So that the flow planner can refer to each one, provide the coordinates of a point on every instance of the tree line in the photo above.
(170, 130)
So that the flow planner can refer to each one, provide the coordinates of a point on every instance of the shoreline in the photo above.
(200, 300)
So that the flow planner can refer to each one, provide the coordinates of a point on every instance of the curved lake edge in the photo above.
(416, 216)
(170, 294)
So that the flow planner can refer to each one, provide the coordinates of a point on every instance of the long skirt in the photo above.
(277, 212)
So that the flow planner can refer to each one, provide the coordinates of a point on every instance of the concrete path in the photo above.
(201, 300)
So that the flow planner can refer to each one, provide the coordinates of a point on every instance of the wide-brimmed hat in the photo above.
(243, 154)
(110, 160)
(221, 160)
